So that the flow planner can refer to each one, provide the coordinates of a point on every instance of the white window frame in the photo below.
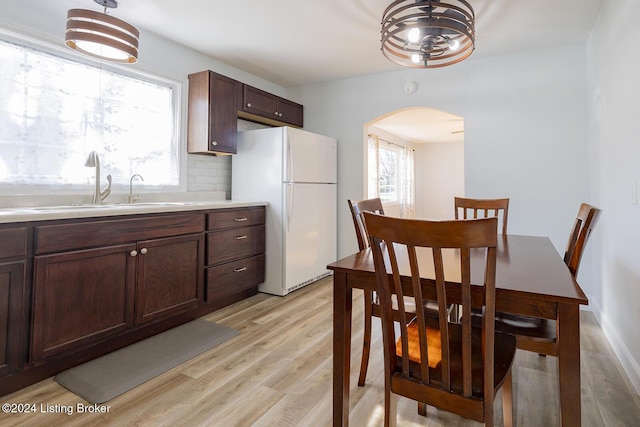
(130, 71)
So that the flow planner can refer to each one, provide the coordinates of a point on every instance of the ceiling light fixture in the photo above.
(428, 33)
(102, 36)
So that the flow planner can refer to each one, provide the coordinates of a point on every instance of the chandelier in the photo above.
(102, 36)
(428, 33)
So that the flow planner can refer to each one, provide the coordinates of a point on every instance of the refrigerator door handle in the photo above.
(289, 175)
(289, 205)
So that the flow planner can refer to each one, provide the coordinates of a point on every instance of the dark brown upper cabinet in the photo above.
(215, 104)
(256, 102)
(213, 113)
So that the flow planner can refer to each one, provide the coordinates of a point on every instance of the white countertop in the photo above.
(44, 213)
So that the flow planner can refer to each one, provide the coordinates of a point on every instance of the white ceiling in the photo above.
(422, 125)
(294, 42)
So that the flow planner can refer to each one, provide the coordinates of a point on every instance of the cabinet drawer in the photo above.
(234, 218)
(96, 233)
(14, 242)
(233, 277)
(223, 246)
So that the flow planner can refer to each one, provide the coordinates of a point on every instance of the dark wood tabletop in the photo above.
(531, 279)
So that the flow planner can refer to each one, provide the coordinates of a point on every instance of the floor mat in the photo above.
(106, 377)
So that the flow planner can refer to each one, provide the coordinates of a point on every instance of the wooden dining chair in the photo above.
(455, 367)
(371, 307)
(466, 208)
(536, 334)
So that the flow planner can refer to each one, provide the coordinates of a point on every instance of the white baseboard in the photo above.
(629, 364)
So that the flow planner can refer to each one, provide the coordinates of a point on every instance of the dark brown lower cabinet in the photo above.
(11, 316)
(235, 253)
(72, 290)
(81, 297)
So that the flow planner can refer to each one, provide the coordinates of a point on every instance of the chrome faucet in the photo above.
(132, 198)
(93, 161)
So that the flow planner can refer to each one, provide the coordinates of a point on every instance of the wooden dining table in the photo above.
(531, 279)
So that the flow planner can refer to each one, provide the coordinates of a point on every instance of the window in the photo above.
(388, 174)
(54, 111)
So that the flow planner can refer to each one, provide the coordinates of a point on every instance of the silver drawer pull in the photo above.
(244, 218)
(240, 237)
(238, 270)
(133, 253)
(143, 251)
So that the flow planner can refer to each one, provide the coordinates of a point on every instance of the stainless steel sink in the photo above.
(64, 208)
(106, 206)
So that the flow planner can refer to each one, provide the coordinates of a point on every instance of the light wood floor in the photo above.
(278, 373)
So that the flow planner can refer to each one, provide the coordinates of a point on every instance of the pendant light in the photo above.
(102, 36)
(428, 33)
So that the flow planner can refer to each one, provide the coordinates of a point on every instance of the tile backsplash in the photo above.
(213, 173)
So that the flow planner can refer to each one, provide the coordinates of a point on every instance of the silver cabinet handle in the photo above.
(240, 237)
(214, 143)
(238, 270)
(240, 219)
(277, 113)
(249, 104)
(143, 251)
(133, 253)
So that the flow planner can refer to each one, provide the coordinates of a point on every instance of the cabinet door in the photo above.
(170, 276)
(81, 297)
(290, 112)
(223, 114)
(213, 113)
(11, 316)
(259, 102)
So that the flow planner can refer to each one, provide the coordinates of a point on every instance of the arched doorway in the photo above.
(437, 140)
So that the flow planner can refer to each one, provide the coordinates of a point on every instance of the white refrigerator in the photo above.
(295, 171)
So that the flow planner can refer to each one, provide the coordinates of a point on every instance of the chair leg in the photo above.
(390, 408)
(507, 402)
(422, 409)
(366, 339)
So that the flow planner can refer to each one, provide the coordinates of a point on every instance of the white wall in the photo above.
(439, 175)
(439, 178)
(525, 132)
(614, 147)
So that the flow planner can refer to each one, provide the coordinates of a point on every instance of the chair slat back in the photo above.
(583, 226)
(466, 208)
(357, 208)
(394, 238)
